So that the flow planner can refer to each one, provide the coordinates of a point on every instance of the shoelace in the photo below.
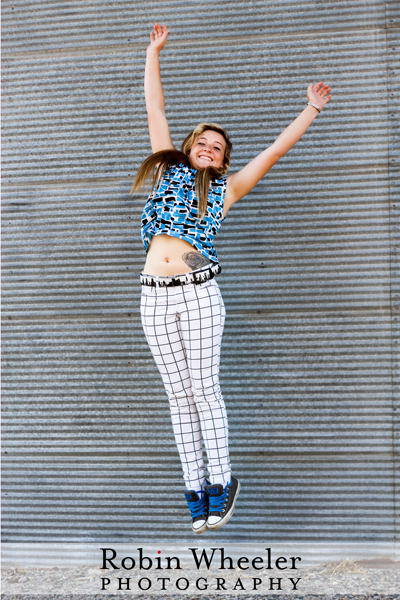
(198, 507)
(217, 503)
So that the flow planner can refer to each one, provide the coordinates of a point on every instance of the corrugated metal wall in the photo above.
(310, 365)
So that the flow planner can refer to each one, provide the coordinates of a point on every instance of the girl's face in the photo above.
(208, 150)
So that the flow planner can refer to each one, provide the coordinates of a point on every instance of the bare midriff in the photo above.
(168, 255)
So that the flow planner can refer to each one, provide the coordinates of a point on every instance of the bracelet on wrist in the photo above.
(315, 106)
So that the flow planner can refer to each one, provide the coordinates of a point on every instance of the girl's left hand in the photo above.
(318, 94)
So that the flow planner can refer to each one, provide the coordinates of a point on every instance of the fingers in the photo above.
(325, 92)
(160, 31)
(320, 88)
(319, 93)
(155, 31)
(158, 36)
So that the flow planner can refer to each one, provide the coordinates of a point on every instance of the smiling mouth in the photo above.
(206, 157)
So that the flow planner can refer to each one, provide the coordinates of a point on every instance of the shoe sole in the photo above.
(228, 514)
(201, 529)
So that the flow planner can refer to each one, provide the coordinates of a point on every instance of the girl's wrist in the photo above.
(153, 51)
(314, 106)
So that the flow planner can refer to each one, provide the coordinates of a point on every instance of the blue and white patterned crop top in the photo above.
(172, 209)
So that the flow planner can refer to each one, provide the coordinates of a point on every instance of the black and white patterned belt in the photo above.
(198, 276)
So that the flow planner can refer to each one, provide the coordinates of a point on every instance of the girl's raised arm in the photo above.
(160, 137)
(241, 183)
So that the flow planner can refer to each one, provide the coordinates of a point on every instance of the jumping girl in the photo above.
(182, 309)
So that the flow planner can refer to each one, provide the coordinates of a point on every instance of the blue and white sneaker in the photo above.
(198, 506)
(221, 502)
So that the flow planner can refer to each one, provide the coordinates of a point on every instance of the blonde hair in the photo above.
(166, 158)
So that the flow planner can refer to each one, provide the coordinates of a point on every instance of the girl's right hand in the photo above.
(158, 37)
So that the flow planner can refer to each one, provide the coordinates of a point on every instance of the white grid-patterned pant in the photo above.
(183, 326)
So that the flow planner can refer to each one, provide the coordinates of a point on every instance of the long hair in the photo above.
(166, 158)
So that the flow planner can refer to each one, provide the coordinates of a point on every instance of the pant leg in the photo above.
(161, 324)
(202, 320)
